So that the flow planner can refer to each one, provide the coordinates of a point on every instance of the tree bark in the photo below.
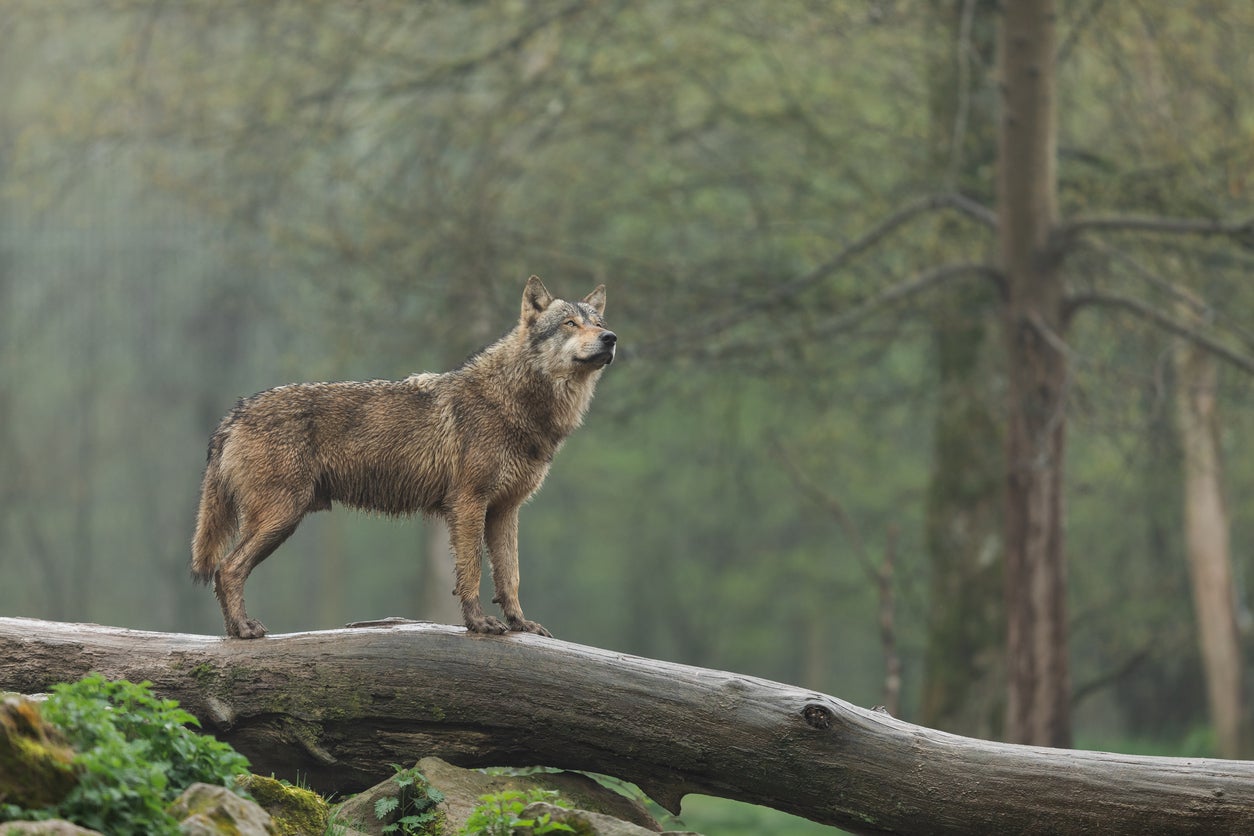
(338, 706)
(1038, 696)
(1207, 547)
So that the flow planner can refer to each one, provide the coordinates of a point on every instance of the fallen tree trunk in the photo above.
(339, 706)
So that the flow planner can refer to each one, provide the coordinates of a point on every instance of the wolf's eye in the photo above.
(571, 323)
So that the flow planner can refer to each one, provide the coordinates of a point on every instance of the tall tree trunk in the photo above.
(1206, 543)
(964, 678)
(1038, 698)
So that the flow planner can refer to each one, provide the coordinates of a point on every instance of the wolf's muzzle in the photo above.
(605, 355)
(609, 339)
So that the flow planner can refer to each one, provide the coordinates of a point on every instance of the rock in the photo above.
(463, 787)
(211, 810)
(52, 827)
(36, 766)
(585, 822)
(293, 811)
(361, 811)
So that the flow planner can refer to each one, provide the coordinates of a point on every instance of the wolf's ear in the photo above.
(597, 299)
(536, 298)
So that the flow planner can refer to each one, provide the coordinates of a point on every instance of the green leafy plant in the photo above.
(498, 814)
(420, 803)
(134, 755)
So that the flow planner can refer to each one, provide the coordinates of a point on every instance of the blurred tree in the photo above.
(964, 667)
(1207, 548)
(1033, 322)
(1177, 94)
(8, 488)
(1037, 309)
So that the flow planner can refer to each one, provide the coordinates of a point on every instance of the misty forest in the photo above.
(935, 374)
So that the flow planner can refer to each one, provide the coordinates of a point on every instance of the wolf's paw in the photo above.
(522, 625)
(486, 625)
(249, 628)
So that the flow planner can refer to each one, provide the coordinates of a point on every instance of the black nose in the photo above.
(609, 338)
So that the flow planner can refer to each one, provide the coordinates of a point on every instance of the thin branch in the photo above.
(1050, 336)
(1205, 311)
(1168, 323)
(852, 317)
(1111, 677)
(454, 69)
(1242, 230)
(786, 290)
(1179, 294)
(904, 290)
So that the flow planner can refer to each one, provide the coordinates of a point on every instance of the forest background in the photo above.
(798, 468)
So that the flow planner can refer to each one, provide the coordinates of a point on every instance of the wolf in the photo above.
(470, 445)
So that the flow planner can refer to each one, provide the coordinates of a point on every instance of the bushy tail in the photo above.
(216, 523)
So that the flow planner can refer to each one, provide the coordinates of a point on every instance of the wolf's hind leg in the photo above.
(258, 541)
(502, 536)
(465, 527)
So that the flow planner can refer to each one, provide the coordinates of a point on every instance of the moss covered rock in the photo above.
(293, 811)
(212, 810)
(36, 766)
(463, 788)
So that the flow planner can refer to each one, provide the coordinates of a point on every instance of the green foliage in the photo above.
(499, 813)
(135, 754)
(419, 811)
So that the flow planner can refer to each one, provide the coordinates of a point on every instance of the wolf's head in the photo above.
(567, 337)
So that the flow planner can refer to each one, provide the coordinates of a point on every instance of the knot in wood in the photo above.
(818, 716)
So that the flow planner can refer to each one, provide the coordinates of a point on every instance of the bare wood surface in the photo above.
(340, 705)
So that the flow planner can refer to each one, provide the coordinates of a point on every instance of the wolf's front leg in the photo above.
(502, 535)
(465, 527)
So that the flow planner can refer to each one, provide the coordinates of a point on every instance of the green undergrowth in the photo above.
(133, 754)
(419, 813)
(500, 813)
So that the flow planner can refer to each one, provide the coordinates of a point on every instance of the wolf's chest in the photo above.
(520, 473)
